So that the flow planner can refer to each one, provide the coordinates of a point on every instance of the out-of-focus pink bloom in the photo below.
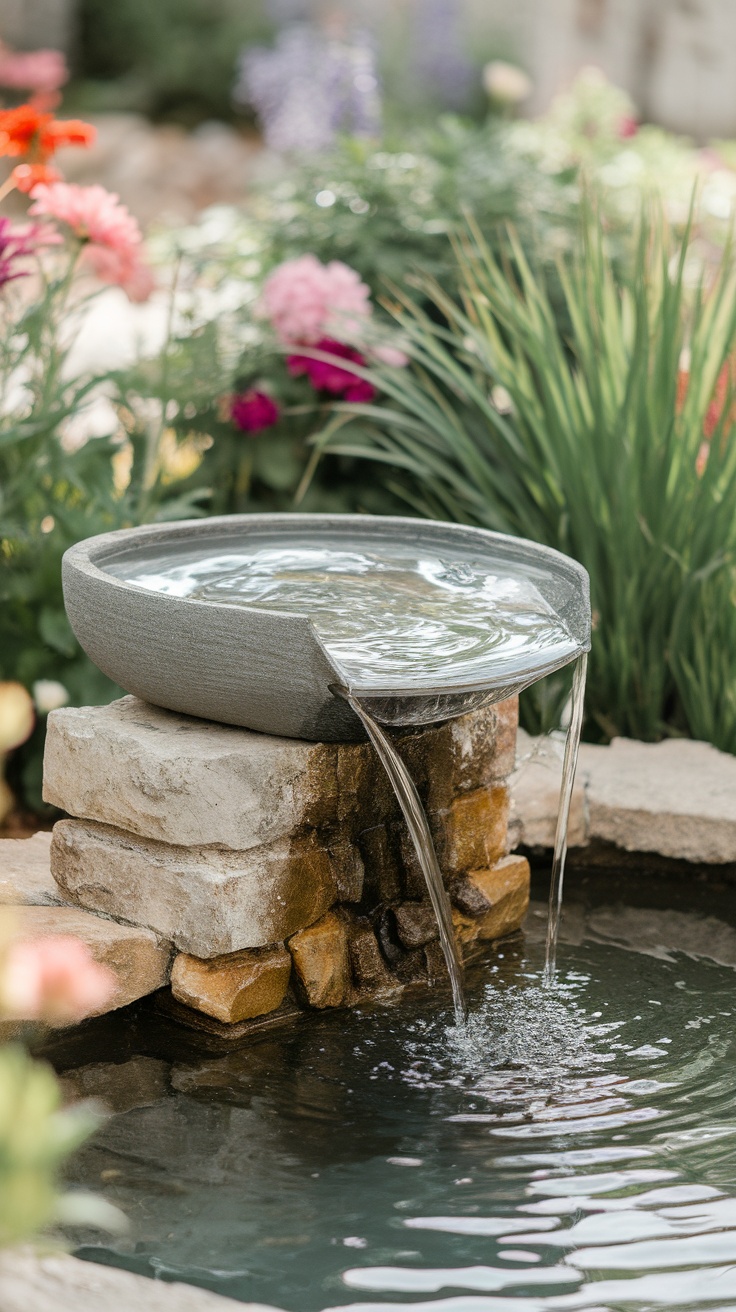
(326, 376)
(390, 355)
(252, 411)
(95, 215)
(627, 127)
(19, 241)
(306, 300)
(53, 979)
(34, 70)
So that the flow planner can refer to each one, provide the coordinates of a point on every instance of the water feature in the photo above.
(395, 612)
(569, 1148)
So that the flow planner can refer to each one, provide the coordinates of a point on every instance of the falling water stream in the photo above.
(397, 617)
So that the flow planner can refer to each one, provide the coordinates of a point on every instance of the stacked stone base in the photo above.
(279, 873)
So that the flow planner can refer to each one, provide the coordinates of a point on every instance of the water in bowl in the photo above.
(394, 616)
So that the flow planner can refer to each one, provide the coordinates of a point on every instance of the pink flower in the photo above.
(328, 377)
(53, 979)
(19, 242)
(305, 300)
(253, 411)
(391, 355)
(95, 216)
(627, 127)
(36, 70)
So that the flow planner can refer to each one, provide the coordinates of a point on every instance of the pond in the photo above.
(573, 1148)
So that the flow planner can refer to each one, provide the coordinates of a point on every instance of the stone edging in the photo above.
(676, 798)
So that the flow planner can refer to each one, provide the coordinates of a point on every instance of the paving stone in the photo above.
(236, 987)
(139, 961)
(182, 780)
(494, 901)
(207, 901)
(535, 794)
(415, 924)
(56, 1282)
(472, 833)
(677, 798)
(321, 960)
(25, 872)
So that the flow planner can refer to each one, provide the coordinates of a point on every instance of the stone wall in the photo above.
(280, 871)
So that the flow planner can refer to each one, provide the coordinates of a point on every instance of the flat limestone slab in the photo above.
(25, 873)
(182, 780)
(136, 957)
(193, 783)
(207, 901)
(677, 798)
(57, 1282)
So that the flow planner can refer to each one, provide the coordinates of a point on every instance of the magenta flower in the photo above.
(328, 377)
(252, 411)
(20, 242)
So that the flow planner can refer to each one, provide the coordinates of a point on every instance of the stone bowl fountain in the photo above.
(147, 613)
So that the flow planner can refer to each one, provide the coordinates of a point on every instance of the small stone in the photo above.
(207, 901)
(434, 962)
(321, 961)
(185, 781)
(466, 929)
(369, 967)
(138, 960)
(474, 830)
(415, 924)
(495, 901)
(25, 872)
(235, 987)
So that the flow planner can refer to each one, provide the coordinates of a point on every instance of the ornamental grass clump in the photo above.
(611, 440)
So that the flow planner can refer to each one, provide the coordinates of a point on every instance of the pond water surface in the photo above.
(572, 1148)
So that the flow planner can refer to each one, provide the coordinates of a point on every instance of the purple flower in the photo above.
(328, 377)
(252, 411)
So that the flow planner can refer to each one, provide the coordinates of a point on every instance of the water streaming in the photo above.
(569, 767)
(397, 616)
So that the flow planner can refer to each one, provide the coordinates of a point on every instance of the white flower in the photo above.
(16, 717)
(505, 83)
(49, 695)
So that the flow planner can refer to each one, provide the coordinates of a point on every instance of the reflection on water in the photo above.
(570, 1149)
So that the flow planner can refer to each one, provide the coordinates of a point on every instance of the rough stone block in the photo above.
(321, 960)
(493, 901)
(415, 924)
(348, 871)
(182, 780)
(205, 900)
(236, 987)
(381, 863)
(25, 872)
(472, 833)
(369, 968)
(138, 960)
(462, 755)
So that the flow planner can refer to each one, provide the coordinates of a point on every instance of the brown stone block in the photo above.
(466, 929)
(235, 987)
(504, 756)
(474, 830)
(348, 871)
(369, 968)
(380, 854)
(495, 900)
(321, 961)
(434, 962)
(364, 795)
(415, 924)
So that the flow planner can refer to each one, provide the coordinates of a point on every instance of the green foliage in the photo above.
(588, 441)
(36, 1137)
(174, 59)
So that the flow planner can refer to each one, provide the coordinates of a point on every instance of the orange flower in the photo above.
(716, 408)
(27, 176)
(31, 131)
